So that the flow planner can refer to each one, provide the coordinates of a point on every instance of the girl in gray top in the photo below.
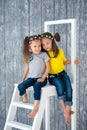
(36, 70)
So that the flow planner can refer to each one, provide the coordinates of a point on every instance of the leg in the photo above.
(60, 87)
(37, 94)
(35, 109)
(68, 89)
(25, 98)
(63, 105)
(68, 102)
(23, 86)
(67, 111)
(57, 82)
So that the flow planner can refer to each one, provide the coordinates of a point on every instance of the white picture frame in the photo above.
(47, 25)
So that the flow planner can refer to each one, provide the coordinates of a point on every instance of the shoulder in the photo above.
(45, 56)
(43, 52)
(61, 51)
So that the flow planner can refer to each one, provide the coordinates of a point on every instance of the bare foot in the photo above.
(33, 112)
(25, 98)
(72, 112)
(67, 116)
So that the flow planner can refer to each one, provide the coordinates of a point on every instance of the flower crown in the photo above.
(34, 37)
(47, 36)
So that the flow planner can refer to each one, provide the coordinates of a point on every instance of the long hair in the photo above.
(56, 37)
(26, 50)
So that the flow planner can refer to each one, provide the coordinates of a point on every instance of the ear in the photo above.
(30, 50)
(29, 45)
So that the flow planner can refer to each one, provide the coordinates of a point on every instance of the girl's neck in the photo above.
(50, 50)
(35, 54)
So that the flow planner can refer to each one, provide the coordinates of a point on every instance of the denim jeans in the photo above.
(63, 86)
(36, 86)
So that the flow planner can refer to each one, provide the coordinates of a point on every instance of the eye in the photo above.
(47, 43)
(34, 46)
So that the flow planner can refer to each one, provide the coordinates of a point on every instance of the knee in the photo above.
(21, 89)
(37, 88)
(37, 94)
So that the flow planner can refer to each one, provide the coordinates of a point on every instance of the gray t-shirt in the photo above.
(37, 65)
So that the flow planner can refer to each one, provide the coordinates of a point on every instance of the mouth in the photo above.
(37, 51)
(47, 49)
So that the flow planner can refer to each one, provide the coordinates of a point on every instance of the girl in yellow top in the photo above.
(57, 75)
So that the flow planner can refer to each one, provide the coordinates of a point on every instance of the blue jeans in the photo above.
(36, 86)
(63, 86)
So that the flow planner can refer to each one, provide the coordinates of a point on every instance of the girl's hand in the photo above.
(40, 79)
(20, 82)
(77, 61)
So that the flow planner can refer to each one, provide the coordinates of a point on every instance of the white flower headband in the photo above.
(35, 37)
(47, 36)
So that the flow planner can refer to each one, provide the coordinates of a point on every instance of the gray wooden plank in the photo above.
(70, 9)
(34, 27)
(35, 17)
(60, 13)
(22, 29)
(48, 14)
(47, 11)
(16, 30)
(10, 41)
(76, 14)
(2, 66)
(82, 69)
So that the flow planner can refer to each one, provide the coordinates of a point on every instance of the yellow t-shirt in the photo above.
(56, 63)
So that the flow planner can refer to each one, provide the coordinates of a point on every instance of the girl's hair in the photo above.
(56, 37)
(26, 51)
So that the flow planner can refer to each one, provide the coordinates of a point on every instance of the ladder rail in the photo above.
(11, 114)
(39, 116)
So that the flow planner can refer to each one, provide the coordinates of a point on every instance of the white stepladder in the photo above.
(10, 123)
(47, 25)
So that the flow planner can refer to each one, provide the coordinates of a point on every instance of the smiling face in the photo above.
(47, 44)
(35, 46)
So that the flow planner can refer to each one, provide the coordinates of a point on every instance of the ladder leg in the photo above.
(47, 114)
(39, 116)
(11, 115)
(12, 109)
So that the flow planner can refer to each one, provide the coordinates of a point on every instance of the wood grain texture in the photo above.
(2, 67)
(20, 18)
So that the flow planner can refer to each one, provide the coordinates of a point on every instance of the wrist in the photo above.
(43, 77)
(22, 80)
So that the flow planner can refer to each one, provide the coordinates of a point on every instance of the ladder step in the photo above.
(19, 126)
(23, 105)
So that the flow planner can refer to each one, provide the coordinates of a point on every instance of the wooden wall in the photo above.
(19, 18)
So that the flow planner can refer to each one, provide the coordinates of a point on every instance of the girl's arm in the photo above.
(77, 61)
(67, 62)
(47, 70)
(26, 69)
